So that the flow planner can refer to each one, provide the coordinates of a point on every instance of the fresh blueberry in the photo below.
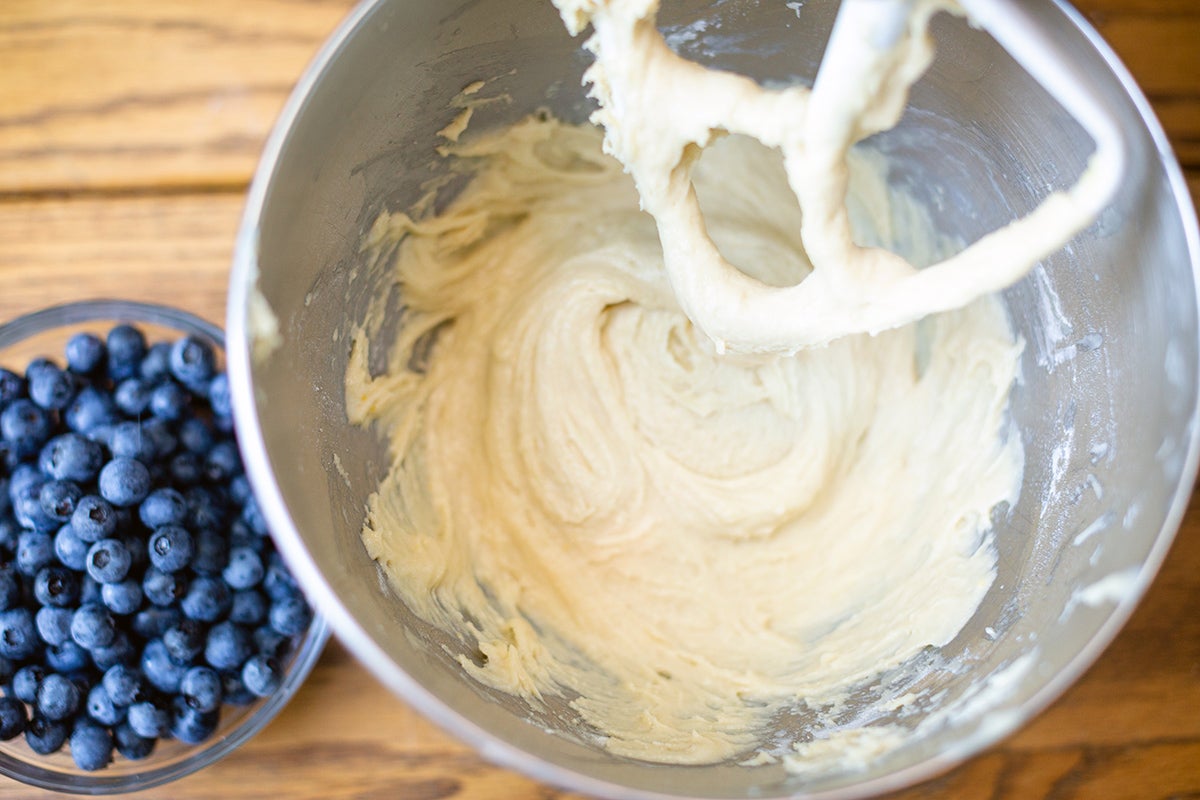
(10, 529)
(109, 560)
(67, 658)
(240, 489)
(91, 410)
(22, 476)
(124, 597)
(91, 745)
(27, 508)
(170, 549)
(155, 621)
(201, 689)
(168, 400)
(90, 589)
(253, 517)
(244, 570)
(185, 641)
(261, 675)
(10, 588)
(240, 535)
(233, 691)
(127, 440)
(58, 499)
(156, 364)
(45, 736)
(249, 607)
(25, 426)
(130, 744)
(94, 519)
(53, 624)
(222, 462)
(126, 348)
(56, 586)
(207, 599)
(100, 706)
(12, 386)
(163, 588)
(93, 626)
(192, 361)
(219, 397)
(124, 482)
(227, 647)
(85, 353)
(123, 684)
(278, 582)
(119, 651)
(71, 457)
(161, 672)
(189, 725)
(35, 549)
(149, 720)
(69, 549)
(163, 506)
(25, 682)
(195, 435)
(18, 634)
(13, 718)
(158, 432)
(51, 388)
(271, 642)
(57, 697)
(132, 396)
(210, 552)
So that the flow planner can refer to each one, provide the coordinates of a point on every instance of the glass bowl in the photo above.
(45, 333)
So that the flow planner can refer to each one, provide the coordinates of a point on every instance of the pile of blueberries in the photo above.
(139, 590)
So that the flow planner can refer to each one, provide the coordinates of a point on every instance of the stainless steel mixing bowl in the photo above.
(1106, 403)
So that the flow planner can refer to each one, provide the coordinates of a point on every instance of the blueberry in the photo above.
(163, 588)
(158, 433)
(207, 599)
(119, 651)
(271, 642)
(72, 457)
(233, 691)
(10, 529)
(93, 626)
(239, 489)
(189, 725)
(240, 535)
(124, 482)
(249, 607)
(51, 388)
(57, 697)
(185, 468)
(94, 519)
(18, 634)
(170, 549)
(90, 410)
(244, 570)
(25, 426)
(108, 561)
(122, 598)
(53, 624)
(58, 499)
(45, 736)
(27, 508)
(261, 675)
(67, 657)
(25, 682)
(227, 647)
(195, 435)
(123, 684)
(12, 718)
(161, 672)
(252, 516)
(168, 400)
(12, 386)
(101, 707)
(156, 364)
(210, 552)
(90, 589)
(130, 744)
(278, 582)
(149, 720)
(185, 641)
(35, 549)
(132, 396)
(222, 462)
(10, 589)
(22, 476)
(85, 353)
(192, 361)
(207, 508)
(126, 440)
(56, 586)
(91, 745)
(126, 348)
(163, 506)
(201, 689)
(155, 621)
(69, 549)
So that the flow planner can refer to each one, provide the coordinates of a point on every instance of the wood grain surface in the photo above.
(128, 132)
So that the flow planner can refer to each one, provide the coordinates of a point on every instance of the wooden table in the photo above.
(128, 132)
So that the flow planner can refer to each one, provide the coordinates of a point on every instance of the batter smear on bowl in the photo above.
(636, 477)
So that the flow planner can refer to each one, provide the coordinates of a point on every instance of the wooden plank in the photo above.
(113, 94)
(147, 93)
